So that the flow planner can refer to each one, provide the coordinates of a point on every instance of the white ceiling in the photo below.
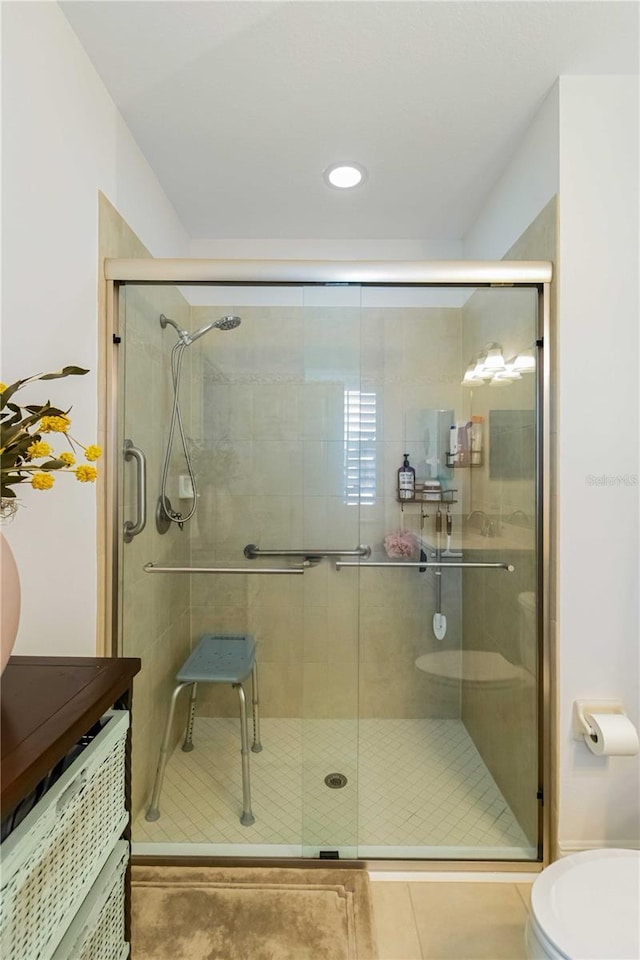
(239, 106)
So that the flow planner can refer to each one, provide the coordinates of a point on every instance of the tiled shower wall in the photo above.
(269, 415)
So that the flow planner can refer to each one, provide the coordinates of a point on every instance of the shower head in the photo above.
(228, 322)
(224, 323)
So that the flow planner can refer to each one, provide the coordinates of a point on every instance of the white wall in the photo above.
(529, 181)
(584, 145)
(62, 141)
(598, 437)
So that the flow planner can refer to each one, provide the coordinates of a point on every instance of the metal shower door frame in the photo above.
(536, 274)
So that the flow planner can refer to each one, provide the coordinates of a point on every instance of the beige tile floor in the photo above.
(435, 920)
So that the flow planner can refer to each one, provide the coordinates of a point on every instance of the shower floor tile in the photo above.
(410, 784)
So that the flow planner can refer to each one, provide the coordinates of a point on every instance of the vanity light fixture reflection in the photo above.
(495, 358)
(510, 370)
(489, 366)
(470, 376)
(501, 379)
(525, 362)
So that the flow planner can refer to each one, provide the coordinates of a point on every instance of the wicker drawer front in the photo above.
(97, 933)
(53, 857)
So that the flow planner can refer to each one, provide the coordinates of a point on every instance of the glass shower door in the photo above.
(500, 620)
(268, 410)
(448, 728)
(154, 611)
(398, 703)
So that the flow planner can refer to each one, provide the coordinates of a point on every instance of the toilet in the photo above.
(587, 907)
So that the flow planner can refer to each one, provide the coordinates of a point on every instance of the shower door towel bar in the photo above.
(252, 552)
(151, 568)
(419, 565)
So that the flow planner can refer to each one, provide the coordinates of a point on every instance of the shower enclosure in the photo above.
(400, 642)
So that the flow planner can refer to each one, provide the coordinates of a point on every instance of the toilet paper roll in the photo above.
(615, 735)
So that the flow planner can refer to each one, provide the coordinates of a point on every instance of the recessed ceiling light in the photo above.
(344, 175)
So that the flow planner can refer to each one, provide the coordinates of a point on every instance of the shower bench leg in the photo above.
(154, 807)
(247, 818)
(256, 746)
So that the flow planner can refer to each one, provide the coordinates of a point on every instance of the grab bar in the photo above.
(424, 563)
(151, 568)
(252, 552)
(132, 529)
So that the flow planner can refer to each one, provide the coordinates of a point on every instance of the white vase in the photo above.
(10, 613)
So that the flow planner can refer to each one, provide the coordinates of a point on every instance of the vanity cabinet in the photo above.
(65, 795)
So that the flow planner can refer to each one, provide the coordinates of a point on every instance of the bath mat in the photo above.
(251, 913)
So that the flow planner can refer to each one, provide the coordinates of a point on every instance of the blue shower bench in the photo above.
(217, 658)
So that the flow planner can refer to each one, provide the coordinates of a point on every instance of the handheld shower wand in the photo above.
(228, 322)
(165, 510)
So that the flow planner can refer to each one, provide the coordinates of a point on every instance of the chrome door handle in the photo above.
(131, 529)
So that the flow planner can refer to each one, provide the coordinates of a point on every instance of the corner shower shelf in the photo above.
(445, 496)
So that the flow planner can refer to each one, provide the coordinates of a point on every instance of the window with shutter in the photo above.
(360, 432)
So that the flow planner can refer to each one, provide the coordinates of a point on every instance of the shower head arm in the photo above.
(184, 336)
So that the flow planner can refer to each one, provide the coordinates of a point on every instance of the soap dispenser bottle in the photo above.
(406, 480)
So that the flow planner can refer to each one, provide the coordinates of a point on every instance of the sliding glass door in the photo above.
(396, 636)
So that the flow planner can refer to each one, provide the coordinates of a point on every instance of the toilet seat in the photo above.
(481, 667)
(587, 906)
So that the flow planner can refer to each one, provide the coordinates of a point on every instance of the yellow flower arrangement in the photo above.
(39, 449)
(42, 481)
(25, 456)
(86, 474)
(54, 424)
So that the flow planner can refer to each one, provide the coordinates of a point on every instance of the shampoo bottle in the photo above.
(406, 480)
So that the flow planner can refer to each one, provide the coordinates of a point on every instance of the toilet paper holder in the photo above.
(581, 727)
